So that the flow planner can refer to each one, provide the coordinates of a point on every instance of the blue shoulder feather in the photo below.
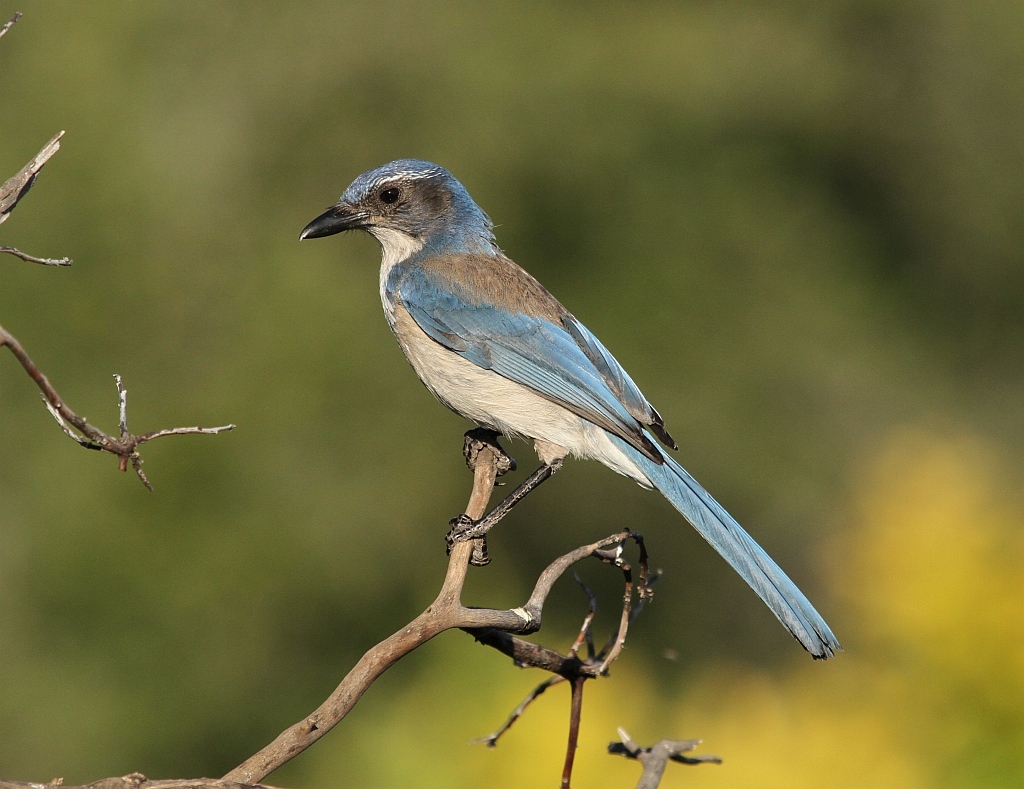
(528, 349)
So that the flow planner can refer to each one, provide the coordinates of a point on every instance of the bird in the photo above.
(495, 346)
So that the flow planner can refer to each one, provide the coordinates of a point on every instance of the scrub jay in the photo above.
(492, 344)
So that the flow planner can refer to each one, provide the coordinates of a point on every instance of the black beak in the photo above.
(334, 220)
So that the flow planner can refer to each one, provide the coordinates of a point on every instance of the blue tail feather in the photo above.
(738, 548)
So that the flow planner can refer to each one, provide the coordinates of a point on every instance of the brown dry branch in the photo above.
(33, 259)
(657, 757)
(491, 740)
(492, 627)
(570, 667)
(17, 186)
(125, 446)
(586, 636)
(489, 626)
(138, 781)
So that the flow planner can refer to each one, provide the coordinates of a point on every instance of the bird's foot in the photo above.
(480, 438)
(464, 528)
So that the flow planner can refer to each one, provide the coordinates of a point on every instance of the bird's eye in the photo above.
(390, 196)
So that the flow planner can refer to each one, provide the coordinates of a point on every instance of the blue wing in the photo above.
(564, 363)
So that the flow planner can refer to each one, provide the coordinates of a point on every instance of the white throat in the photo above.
(396, 247)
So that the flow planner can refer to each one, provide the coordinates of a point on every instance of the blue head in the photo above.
(409, 205)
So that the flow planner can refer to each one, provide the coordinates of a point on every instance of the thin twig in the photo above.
(32, 259)
(7, 26)
(87, 435)
(491, 740)
(586, 634)
(575, 712)
(181, 431)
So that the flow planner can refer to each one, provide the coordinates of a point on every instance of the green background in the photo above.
(798, 225)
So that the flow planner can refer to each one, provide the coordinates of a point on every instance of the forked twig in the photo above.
(126, 446)
(570, 667)
(657, 757)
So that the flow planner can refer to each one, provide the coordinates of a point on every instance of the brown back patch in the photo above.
(496, 280)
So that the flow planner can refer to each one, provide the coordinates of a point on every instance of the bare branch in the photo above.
(439, 616)
(492, 627)
(66, 427)
(657, 757)
(586, 634)
(489, 626)
(491, 740)
(78, 428)
(137, 781)
(32, 259)
(569, 666)
(182, 431)
(17, 186)
(575, 713)
(8, 25)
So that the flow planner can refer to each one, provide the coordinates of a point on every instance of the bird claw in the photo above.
(481, 438)
(464, 528)
(480, 557)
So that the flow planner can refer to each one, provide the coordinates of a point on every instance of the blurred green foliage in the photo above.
(799, 226)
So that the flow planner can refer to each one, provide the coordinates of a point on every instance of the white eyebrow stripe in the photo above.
(406, 177)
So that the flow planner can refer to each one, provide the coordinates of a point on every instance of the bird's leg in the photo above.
(476, 440)
(465, 528)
